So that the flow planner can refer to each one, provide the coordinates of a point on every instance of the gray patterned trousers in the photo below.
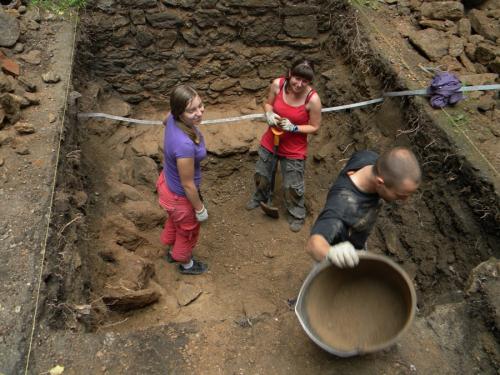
(292, 172)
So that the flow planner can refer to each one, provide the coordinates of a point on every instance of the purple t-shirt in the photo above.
(176, 145)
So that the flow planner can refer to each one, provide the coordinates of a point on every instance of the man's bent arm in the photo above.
(317, 247)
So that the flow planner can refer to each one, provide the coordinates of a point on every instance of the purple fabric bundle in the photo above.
(444, 90)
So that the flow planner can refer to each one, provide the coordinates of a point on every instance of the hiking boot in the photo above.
(168, 258)
(252, 204)
(296, 225)
(196, 269)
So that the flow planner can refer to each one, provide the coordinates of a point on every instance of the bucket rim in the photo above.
(319, 267)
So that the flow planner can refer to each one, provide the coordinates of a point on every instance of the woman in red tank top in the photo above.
(294, 107)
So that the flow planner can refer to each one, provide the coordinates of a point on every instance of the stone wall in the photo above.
(142, 48)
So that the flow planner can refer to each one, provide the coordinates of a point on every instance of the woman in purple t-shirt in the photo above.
(179, 183)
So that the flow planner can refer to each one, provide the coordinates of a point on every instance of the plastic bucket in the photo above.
(358, 310)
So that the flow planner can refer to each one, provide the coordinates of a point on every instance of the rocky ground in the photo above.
(462, 38)
(110, 304)
(35, 59)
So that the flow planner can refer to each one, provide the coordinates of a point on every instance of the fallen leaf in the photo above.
(58, 370)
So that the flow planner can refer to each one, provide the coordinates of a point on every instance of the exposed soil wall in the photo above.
(430, 140)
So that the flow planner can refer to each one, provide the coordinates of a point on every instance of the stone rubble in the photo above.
(205, 43)
(463, 40)
(16, 92)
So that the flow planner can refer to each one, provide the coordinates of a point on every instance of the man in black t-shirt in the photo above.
(355, 199)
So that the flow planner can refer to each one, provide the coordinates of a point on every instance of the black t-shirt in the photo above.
(349, 214)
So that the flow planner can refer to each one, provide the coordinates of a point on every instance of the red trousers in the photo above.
(181, 229)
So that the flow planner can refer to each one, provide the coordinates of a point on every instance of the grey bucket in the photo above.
(371, 268)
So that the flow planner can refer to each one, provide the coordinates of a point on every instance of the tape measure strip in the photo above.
(261, 116)
(425, 91)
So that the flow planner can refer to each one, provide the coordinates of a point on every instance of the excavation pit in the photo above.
(236, 316)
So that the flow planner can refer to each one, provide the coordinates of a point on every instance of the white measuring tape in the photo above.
(258, 116)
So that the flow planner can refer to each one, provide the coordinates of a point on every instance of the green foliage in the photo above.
(59, 6)
(459, 119)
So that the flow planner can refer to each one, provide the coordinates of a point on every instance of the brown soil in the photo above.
(235, 319)
(256, 264)
(239, 308)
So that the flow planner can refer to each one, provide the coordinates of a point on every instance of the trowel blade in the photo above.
(269, 210)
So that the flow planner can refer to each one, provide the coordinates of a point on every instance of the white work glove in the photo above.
(286, 125)
(343, 255)
(272, 118)
(202, 214)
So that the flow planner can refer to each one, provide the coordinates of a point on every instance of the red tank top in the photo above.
(292, 145)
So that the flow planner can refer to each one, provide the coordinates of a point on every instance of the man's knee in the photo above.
(295, 193)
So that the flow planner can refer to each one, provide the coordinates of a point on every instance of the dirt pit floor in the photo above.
(237, 318)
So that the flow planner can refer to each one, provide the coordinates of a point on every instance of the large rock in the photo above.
(223, 84)
(130, 87)
(484, 271)
(191, 35)
(271, 70)
(23, 128)
(51, 77)
(144, 38)
(11, 107)
(33, 57)
(208, 17)
(451, 64)
(494, 65)
(264, 29)
(432, 43)
(119, 193)
(456, 47)
(486, 52)
(137, 17)
(253, 84)
(145, 146)
(478, 79)
(464, 27)
(299, 10)
(114, 22)
(441, 25)
(137, 272)
(143, 214)
(140, 3)
(448, 321)
(187, 293)
(253, 3)
(163, 20)
(469, 66)
(238, 68)
(484, 286)
(128, 236)
(9, 66)
(9, 30)
(145, 171)
(301, 26)
(483, 25)
(114, 106)
(443, 10)
(470, 51)
(5, 83)
(125, 300)
(181, 3)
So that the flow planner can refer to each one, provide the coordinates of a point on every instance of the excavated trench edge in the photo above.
(60, 286)
(362, 55)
